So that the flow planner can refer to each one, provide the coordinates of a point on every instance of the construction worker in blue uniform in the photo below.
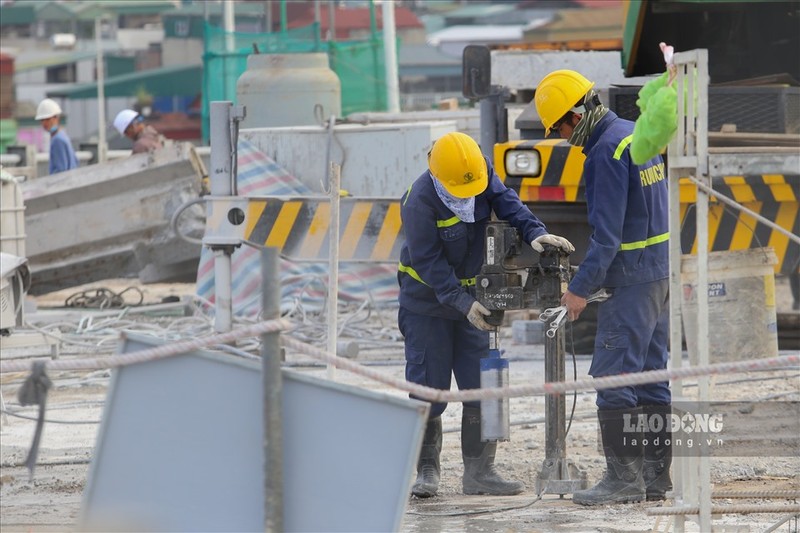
(444, 214)
(628, 254)
(62, 155)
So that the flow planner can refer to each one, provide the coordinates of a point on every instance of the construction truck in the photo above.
(754, 101)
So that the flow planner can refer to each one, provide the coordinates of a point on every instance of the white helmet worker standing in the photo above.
(47, 109)
(131, 124)
(62, 155)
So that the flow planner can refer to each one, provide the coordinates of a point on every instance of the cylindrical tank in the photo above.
(288, 90)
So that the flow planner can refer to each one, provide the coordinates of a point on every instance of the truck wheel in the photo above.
(583, 332)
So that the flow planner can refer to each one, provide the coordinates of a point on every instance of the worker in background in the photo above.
(444, 215)
(628, 254)
(62, 155)
(131, 124)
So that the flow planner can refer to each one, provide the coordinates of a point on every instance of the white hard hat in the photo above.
(47, 108)
(124, 119)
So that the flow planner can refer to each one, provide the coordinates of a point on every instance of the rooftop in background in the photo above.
(23, 13)
(586, 24)
(424, 59)
(165, 81)
(347, 19)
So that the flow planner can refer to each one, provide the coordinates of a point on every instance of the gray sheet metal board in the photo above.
(180, 448)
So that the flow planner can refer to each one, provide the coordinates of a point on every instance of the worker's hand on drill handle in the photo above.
(476, 314)
(555, 240)
(575, 305)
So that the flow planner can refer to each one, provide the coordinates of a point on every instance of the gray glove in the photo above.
(476, 314)
(555, 240)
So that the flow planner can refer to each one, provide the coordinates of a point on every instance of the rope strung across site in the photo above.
(422, 392)
(608, 382)
(151, 354)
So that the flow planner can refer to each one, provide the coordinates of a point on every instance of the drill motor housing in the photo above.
(514, 276)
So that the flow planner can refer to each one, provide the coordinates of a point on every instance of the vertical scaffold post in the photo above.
(272, 389)
(224, 120)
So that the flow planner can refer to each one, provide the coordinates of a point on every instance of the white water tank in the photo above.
(288, 90)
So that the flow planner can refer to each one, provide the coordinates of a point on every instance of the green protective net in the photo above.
(658, 120)
(359, 64)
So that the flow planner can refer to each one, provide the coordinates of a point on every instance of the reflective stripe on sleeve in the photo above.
(622, 145)
(636, 245)
(452, 221)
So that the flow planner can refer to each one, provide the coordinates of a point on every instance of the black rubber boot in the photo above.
(657, 452)
(427, 483)
(622, 446)
(480, 477)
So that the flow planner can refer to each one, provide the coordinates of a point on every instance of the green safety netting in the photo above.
(359, 64)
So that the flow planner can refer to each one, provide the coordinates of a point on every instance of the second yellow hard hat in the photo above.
(457, 162)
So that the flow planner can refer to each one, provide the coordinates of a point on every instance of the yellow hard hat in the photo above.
(457, 162)
(558, 92)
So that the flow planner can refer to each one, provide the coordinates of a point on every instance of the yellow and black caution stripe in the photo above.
(774, 197)
(560, 174)
(370, 230)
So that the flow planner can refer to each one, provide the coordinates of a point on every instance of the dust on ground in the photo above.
(51, 500)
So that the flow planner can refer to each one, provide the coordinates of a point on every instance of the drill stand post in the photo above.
(515, 277)
(559, 474)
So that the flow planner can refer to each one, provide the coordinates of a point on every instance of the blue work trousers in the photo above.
(632, 336)
(438, 348)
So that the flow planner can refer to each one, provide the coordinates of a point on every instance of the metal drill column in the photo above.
(558, 475)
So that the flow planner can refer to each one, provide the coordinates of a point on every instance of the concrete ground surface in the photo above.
(51, 501)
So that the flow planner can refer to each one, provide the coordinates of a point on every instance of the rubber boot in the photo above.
(622, 446)
(427, 483)
(480, 477)
(657, 452)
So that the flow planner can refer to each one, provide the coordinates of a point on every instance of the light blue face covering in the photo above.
(53, 129)
(463, 208)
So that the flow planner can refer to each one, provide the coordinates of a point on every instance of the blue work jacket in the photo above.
(628, 212)
(441, 254)
(62, 156)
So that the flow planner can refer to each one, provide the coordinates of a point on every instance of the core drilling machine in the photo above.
(514, 276)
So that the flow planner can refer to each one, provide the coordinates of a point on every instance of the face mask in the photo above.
(592, 113)
(53, 129)
(463, 208)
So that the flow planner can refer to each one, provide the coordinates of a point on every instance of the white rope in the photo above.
(425, 393)
(607, 382)
(150, 354)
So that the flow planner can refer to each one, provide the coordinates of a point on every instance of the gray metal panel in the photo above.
(180, 448)
(783, 161)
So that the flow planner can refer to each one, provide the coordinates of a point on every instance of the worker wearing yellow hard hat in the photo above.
(629, 255)
(445, 212)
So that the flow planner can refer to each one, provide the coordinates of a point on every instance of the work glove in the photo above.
(555, 240)
(475, 317)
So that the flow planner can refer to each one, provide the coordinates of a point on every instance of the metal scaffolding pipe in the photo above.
(273, 385)
(333, 265)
